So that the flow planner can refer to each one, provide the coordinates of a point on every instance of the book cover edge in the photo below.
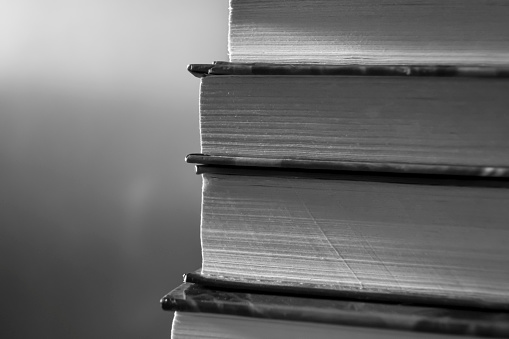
(190, 297)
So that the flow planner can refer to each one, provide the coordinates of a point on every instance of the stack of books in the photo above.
(355, 164)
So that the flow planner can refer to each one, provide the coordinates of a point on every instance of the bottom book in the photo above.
(212, 326)
(210, 313)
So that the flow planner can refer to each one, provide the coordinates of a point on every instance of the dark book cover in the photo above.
(319, 291)
(237, 68)
(196, 298)
(354, 166)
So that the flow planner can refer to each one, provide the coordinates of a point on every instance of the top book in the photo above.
(369, 32)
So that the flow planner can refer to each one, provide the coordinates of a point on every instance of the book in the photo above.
(416, 32)
(440, 119)
(428, 239)
(202, 312)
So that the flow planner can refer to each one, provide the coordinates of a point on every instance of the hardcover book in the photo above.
(450, 120)
(428, 239)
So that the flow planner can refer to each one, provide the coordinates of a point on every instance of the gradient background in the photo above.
(99, 213)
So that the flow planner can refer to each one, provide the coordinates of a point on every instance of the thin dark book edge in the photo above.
(372, 177)
(322, 291)
(191, 297)
(350, 166)
(233, 68)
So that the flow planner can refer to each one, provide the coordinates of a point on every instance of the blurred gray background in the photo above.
(99, 213)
